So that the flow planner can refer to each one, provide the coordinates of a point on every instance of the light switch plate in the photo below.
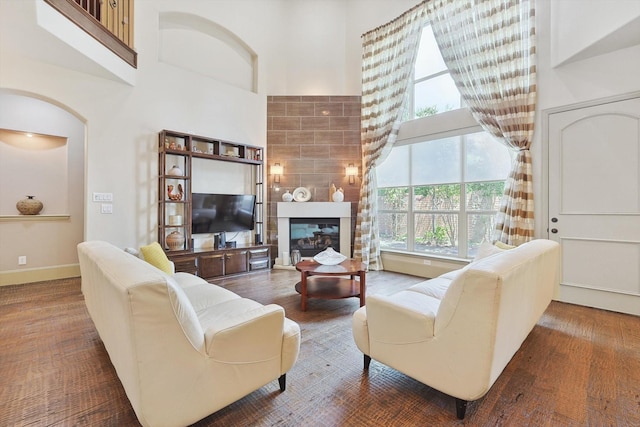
(103, 197)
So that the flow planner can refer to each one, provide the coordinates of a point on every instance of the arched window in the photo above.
(440, 188)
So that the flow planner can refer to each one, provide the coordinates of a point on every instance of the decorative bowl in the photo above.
(301, 194)
(329, 257)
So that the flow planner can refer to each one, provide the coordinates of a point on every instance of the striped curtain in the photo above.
(388, 58)
(489, 48)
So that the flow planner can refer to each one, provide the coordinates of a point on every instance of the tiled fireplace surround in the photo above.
(314, 138)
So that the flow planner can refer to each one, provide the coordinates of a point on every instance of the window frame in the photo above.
(463, 213)
(411, 108)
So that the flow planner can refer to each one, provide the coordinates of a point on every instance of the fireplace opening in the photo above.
(313, 235)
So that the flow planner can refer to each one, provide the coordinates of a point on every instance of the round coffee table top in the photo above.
(348, 266)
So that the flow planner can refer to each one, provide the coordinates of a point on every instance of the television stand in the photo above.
(215, 263)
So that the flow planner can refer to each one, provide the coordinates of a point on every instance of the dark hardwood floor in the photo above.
(578, 367)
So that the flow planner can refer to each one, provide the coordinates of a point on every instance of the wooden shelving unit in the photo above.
(176, 153)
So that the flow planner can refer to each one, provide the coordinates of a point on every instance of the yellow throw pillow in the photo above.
(155, 256)
(501, 245)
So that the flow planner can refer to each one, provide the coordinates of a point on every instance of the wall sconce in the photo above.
(276, 171)
(351, 171)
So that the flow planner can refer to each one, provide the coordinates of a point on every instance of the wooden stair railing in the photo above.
(108, 21)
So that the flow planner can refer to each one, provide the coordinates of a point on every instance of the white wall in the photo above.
(566, 27)
(581, 29)
(318, 49)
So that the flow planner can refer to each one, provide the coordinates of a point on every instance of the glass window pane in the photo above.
(436, 162)
(393, 199)
(480, 229)
(393, 230)
(437, 197)
(436, 233)
(484, 196)
(394, 171)
(436, 95)
(487, 159)
(429, 60)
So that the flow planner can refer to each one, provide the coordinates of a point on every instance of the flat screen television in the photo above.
(215, 213)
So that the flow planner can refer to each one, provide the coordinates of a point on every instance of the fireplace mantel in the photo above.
(286, 210)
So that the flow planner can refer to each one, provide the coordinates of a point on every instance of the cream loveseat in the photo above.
(457, 332)
(182, 348)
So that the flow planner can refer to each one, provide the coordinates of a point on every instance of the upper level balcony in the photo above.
(108, 21)
(63, 34)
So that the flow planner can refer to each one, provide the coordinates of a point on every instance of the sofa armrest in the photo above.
(251, 336)
(403, 318)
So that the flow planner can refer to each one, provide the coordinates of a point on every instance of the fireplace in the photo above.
(328, 219)
(313, 235)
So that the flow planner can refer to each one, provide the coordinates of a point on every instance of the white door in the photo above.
(594, 203)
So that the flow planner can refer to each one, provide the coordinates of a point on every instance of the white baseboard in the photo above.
(17, 277)
(611, 301)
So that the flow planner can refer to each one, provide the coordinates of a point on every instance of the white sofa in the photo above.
(457, 332)
(182, 348)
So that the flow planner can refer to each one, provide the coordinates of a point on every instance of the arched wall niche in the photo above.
(49, 240)
(196, 44)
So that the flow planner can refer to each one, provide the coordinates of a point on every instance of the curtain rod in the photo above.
(396, 18)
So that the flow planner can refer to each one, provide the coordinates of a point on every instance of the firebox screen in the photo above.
(313, 235)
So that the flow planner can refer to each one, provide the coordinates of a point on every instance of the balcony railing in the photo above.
(108, 21)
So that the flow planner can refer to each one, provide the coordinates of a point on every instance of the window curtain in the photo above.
(388, 58)
(489, 48)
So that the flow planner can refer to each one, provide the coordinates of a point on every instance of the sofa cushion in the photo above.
(211, 315)
(451, 275)
(499, 244)
(133, 251)
(186, 280)
(487, 249)
(435, 288)
(155, 256)
(186, 315)
(206, 296)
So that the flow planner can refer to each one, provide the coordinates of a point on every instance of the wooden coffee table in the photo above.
(328, 284)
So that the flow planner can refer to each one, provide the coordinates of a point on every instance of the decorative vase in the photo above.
(175, 171)
(332, 190)
(175, 240)
(29, 206)
(175, 196)
(295, 257)
(287, 197)
(338, 196)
